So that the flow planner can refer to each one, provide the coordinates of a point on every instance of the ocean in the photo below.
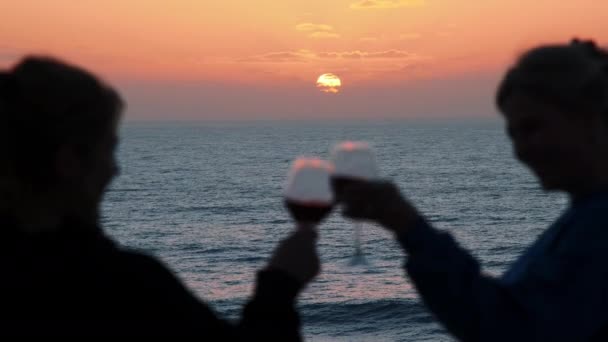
(206, 198)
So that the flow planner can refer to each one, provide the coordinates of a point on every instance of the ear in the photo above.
(68, 165)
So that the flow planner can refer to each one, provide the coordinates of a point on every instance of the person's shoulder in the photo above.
(149, 274)
(590, 223)
(593, 214)
(155, 288)
(141, 263)
(137, 257)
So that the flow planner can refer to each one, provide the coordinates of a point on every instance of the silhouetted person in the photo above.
(555, 102)
(60, 275)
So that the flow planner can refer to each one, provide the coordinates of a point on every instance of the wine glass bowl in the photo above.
(308, 194)
(354, 159)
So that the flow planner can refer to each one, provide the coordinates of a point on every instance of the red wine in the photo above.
(307, 211)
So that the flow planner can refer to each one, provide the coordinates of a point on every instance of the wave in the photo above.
(381, 320)
(406, 311)
(213, 209)
(334, 313)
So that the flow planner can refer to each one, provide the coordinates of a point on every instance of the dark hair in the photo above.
(45, 103)
(572, 76)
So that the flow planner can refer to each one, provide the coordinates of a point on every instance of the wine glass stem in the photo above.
(358, 250)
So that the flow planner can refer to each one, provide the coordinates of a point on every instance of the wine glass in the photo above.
(308, 193)
(353, 160)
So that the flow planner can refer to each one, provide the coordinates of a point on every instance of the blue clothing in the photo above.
(556, 291)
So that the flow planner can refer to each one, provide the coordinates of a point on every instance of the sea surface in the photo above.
(206, 199)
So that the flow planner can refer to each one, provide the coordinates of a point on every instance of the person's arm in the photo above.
(271, 313)
(561, 298)
(164, 306)
(472, 306)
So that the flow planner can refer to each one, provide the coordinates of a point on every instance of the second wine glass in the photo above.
(353, 161)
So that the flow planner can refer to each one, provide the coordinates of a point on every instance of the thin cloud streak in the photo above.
(324, 35)
(309, 27)
(307, 55)
(386, 4)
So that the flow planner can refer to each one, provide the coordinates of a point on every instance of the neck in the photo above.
(32, 218)
(595, 182)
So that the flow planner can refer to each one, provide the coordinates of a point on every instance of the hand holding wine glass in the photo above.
(379, 201)
(309, 199)
(353, 162)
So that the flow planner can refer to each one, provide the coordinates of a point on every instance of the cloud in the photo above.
(390, 38)
(389, 54)
(305, 56)
(300, 56)
(318, 31)
(324, 35)
(310, 27)
(329, 55)
(352, 55)
(385, 4)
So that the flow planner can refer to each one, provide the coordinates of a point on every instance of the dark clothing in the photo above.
(75, 281)
(556, 291)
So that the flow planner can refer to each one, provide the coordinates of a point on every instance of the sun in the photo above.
(329, 83)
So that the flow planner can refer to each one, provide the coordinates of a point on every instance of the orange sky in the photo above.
(193, 58)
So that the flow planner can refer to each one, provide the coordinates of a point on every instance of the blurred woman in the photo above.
(61, 275)
(555, 104)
